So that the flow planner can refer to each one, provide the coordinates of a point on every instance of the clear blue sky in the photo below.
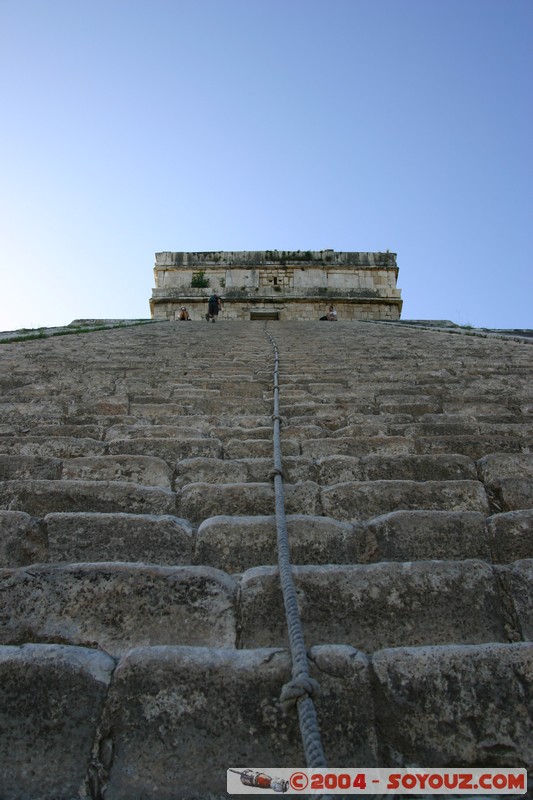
(134, 126)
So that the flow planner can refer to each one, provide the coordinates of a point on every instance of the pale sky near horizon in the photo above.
(136, 126)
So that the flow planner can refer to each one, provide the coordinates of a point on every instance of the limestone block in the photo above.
(295, 468)
(22, 540)
(50, 703)
(32, 413)
(258, 448)
(443, 425)
(518, 578)
(180, 716)
(224, 433)
(514, 494)
(235, 544)
(352, 446)
(143, 470)
(418, 468)
(189, 430)
(420, 535)
(13, 467)
(210, 470)
(43, 497)
(116, 606)
(473, 447)
(118, 537)
(199, 501)
(102, 406)
(168, 450)
(339, 469)
(377, 605)
(495, 467)
(363, 500)
(156, 412)
(408, 404)
(54, 446)
(453, 706)
(511, 536)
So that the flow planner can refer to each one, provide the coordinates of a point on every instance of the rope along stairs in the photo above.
(143, 644)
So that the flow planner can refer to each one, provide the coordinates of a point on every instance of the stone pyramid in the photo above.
(143, 641)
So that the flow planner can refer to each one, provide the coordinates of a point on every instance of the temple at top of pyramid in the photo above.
(277, 284)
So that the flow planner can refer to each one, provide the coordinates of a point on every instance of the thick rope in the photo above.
(302, 687)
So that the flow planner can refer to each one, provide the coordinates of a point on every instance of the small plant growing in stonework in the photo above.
(199, 281)
(222, 283)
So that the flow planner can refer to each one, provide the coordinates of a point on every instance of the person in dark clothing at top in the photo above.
(214, 306)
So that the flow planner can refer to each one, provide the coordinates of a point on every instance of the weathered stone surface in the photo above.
(392, 445)
(188, 429)
(342, 469)
(51, 700)
(473, 446)
(118, 537)
(22, 540)
(210, 470)
(199, 501)
(354, 396)
(420, 535)
(117, 606)
(518, 578)
(235, 544)
(444, 706)
(167, 449)
(42, 497)
(497, 466)
(418, 468)
(13, 467)
(513, 494)
(144, 470)
(511, 536)
(339, 469)
(172, 709)
(362, 500)
(258, 448)
(443, 425)
(377, 605)
(53, 446)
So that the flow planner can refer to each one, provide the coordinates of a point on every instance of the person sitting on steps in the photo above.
(331, 315)
(184, 314)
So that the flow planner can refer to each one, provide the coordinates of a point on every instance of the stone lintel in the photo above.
(253, 258)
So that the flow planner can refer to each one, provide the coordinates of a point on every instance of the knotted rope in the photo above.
(301, 689)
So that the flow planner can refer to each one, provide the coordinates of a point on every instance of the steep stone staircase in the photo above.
(143, 643)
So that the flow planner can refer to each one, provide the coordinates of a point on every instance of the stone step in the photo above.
(381, 605)
(198, 501)
(22, 540)
(255, 470)
(114, 606)
(365, 499)
(45, 742)
(358, 446)
(340, 468)
(158, 705)
(511, 536)
(52, 447)
(41, 497)
(139, 469)
(169, 450)
(235, 544)
(91, 537)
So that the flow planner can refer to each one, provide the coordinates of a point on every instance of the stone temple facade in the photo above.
(275, 284)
